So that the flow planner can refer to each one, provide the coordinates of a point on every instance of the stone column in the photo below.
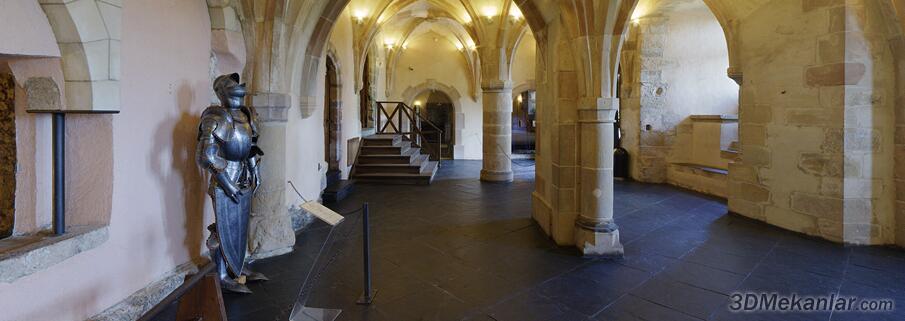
(497, 100)
(270, 230)
(596, 232)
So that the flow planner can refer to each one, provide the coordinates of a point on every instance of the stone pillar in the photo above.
(497, 100)
(596, 232)
(270, 230)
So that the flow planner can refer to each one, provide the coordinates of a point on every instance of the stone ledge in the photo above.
(24, 255)
(715, 118)
(142, 301)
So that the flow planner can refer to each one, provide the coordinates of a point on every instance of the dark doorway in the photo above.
(365, 99)
(331, 122)
(523, 123)
(438, 109)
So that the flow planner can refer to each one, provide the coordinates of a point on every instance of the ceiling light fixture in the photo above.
(360, 15)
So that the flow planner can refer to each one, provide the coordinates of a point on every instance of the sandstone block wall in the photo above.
(816, 127)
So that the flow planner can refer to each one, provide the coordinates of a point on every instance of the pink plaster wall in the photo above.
(34, 40)
(159, 207)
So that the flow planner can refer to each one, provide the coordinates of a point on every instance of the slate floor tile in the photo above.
(633, 308)
(704, 277)
(690, 300)
(531, 306)
(462, 249)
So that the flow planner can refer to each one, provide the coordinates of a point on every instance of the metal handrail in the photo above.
(415, 120)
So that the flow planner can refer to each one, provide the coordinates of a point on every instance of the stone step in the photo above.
(385, 150)
(383, 140)
(425, 177)
(416, 166)
(405, 158)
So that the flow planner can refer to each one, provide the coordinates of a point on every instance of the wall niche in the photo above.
(7, 154)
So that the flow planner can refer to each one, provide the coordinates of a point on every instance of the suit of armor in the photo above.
(227, 149)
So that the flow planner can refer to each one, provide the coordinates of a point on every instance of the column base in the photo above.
(598, 240)
(496, 177)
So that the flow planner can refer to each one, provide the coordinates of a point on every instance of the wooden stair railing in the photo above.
(404, 115)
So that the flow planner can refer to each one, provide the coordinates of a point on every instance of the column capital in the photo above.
(271, 107)
(496, 86)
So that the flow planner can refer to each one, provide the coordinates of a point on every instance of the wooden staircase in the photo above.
(389, 158)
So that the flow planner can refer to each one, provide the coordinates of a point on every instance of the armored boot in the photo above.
(226, 281)
(253, 276)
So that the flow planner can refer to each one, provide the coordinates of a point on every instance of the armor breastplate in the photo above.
(235, 138)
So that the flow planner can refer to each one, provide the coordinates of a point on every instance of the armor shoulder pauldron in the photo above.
(215, 121)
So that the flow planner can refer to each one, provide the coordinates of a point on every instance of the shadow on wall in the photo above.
(177, 137)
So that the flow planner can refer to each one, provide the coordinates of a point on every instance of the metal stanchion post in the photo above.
(368, 295)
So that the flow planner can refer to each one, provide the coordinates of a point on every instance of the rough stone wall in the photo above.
(674, 66)
(815, 129)
(7, 154)
(656, 123)
(897, 46)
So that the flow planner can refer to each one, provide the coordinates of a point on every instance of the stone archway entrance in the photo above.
(332, 121)
(437, 107)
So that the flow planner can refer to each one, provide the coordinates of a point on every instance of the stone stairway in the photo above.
(388, 158)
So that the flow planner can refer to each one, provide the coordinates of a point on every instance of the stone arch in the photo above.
(472, 60)
(228, 40)
(410, 93)
(312, 54)
(391, 9)
(314, 51)
(523, 87)
(89, 34)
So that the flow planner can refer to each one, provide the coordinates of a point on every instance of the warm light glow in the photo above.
(489, 12)
(459, 46)
(520, 99)
(389, 42)
(639, 12)
(466, 19)
(360, 15)
(471, 44)
(515, 13)
(417, 103)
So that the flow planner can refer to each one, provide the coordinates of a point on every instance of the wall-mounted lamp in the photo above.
(360, 15)
(489, 12)
(389, 43)
(515, 13)
(466, 19)
(459, 46)
(418, 103)
(636, 21)
(520, 99)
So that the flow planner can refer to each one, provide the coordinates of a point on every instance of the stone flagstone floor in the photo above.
(464, 250)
